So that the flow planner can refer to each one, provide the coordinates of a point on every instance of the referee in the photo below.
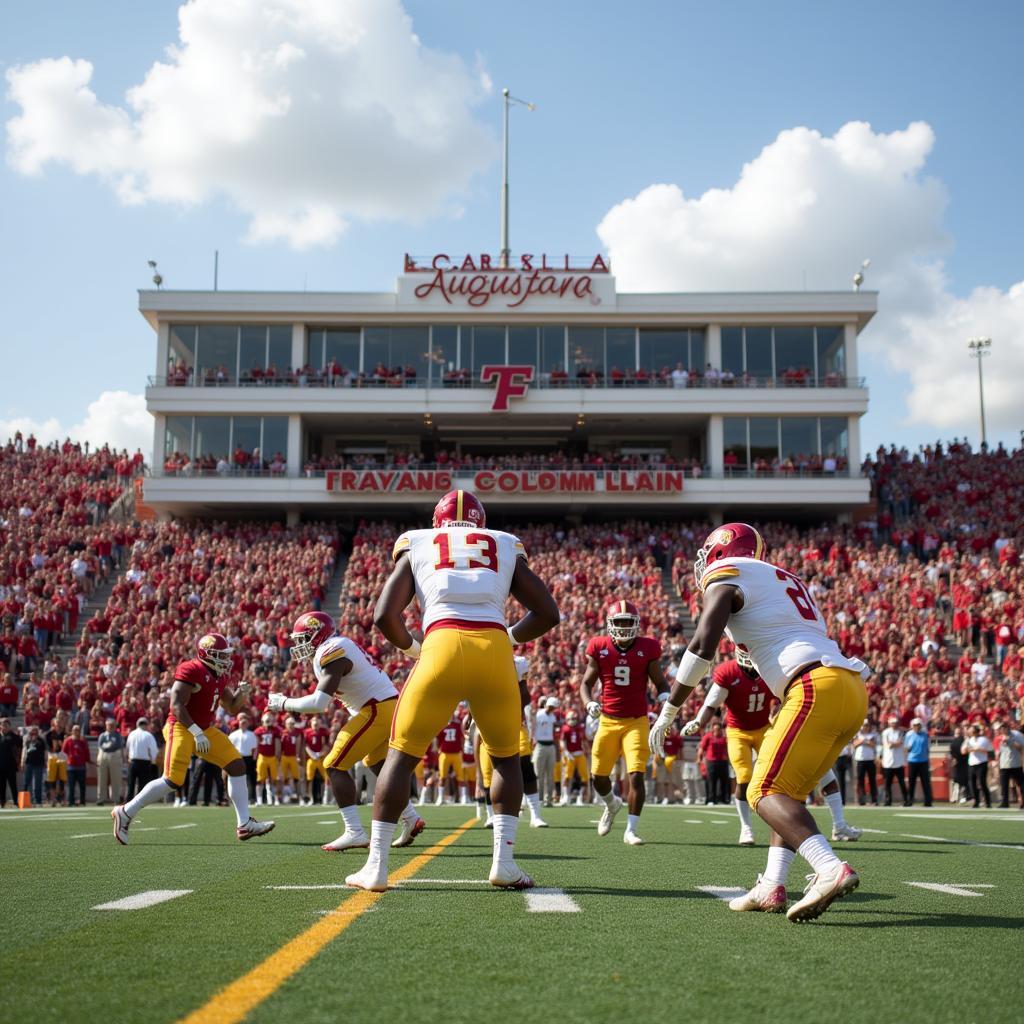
(142, 750)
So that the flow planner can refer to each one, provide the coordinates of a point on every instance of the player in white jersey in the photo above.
(768, 612)
(462, 574)
(345, 673)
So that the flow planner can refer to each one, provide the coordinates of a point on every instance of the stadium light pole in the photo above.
(505, 255)
(979, 348)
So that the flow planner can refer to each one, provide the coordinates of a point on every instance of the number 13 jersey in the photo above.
(779, 624)
(462, 573)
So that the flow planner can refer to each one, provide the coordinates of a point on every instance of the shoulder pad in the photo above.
(720, 572)
(401, 547)
(331, 650)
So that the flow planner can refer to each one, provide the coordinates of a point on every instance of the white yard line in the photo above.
(190, 824)
(141, 900)
(722, 892)
(960, 842)
(94, 835)
(550, 901)
(952, 816)
(304, 888)
(962, 889)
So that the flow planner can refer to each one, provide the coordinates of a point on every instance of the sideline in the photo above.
(233, 1003)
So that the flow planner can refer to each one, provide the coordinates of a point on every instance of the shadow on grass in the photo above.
(922, 919)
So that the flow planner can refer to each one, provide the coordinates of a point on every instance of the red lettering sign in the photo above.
(512, 382)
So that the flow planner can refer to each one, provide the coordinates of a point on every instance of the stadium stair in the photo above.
(336, 587)
(674, 600)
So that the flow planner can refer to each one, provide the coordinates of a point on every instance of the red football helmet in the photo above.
(214, 651)
(623, 621)
(311, 629)
(734, 540)
(459, 508)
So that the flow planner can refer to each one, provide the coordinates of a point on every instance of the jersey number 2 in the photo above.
(483, 542)
(798, 595)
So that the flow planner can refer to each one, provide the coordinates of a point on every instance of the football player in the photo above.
(450, 741)
(291, 744)
(768, 611)
(200, 684)
(314, 742)
(268, 760)
(345, 673)
(462, 574)
(574, 759)
(747, 701)
(627, 665)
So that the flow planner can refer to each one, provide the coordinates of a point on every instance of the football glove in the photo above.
(275, 702)
(593, 709)
(656, 737)
(691, 728)
(202, 740)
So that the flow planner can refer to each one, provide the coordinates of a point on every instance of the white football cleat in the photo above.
(121, 823)
(747, 836)
(253, 828)
(489, 823)
(608, 816)
(348, 841)
(822, 891)
(630, 838)
(509, 876)
(439, 802)
(410, 830)
(372, 877)
(579, 800)
(846, 833)
(538, 823)
(771, 899)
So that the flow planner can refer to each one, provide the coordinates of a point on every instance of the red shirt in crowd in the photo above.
(714, 748)
(76, 751)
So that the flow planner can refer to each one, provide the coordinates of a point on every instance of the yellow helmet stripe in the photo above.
(759, 550)
(458, 506)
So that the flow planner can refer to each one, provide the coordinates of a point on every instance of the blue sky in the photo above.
(628, 96)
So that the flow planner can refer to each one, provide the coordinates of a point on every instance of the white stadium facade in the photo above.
(576, 398)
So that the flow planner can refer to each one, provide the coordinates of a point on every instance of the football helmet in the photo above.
(459, 508)
(733, 540)
(744, 660)
(311, 629)
(214, 651)
(572, 718)
(623, 621)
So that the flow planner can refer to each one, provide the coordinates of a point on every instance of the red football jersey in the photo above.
(316, 740)
(289, 742)
(673, 744)
(266, 740)
(202, 705)
(749, 702)
(623, 674)
(572, 739)
(449, 739)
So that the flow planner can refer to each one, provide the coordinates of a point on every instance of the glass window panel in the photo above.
(522, 346)
(279, 355)
(177, 435)
(698, 348)
(620, 348)
(799, 437)
(734, 436)
(831, 355)
(218, 352)
(661, 350)
(343, 348)
(410, 352)
(732, 350)
(759, 353)
(487, 348)
(764, 438)
(212, 437)
(794, 355)
(834, 436)
(552, 345)
(375, 349)
(252, 354)
(275, 437)
(315, 349)
(246, 435)
(181, 354)
(443, 350)
(586, 351)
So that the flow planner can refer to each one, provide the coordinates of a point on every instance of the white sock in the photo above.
(633, 823)
(777, 869)
(350, 815)
(238, 791)
(608, 798)
(463, 794)
(505, 828)
(743, 810)
(155, 790)
(835, 806)
(381, 834)
(533, 799)
(410, 814)
(818, 854)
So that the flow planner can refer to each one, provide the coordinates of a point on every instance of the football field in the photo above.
(210, 929)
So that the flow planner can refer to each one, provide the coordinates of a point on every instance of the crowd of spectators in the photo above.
(240, 462)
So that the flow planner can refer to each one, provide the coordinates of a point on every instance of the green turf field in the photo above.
(645, 940)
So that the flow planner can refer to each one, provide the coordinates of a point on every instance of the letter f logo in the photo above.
(512, 382)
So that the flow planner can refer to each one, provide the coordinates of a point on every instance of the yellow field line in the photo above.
(233, 1003)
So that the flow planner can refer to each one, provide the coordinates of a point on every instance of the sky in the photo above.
(727, 146)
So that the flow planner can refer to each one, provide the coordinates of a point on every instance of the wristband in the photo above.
(195, 730)
(668, 712)
(512, 636)
(413, 650)
(692, 669)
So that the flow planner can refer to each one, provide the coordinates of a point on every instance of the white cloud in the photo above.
(304, 113)
(804, 213)
(117, 418)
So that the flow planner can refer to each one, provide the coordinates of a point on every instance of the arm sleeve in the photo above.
(716, 697)
(318, 700)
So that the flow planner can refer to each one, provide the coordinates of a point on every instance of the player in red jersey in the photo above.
(315, 741)
(625, 664)
(200, 684)
(449, 763)
(291, 748)
(268, 760)
(574, 759)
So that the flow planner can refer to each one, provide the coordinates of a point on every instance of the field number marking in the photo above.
(722, 892)
(141, 900)
(550, 901)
